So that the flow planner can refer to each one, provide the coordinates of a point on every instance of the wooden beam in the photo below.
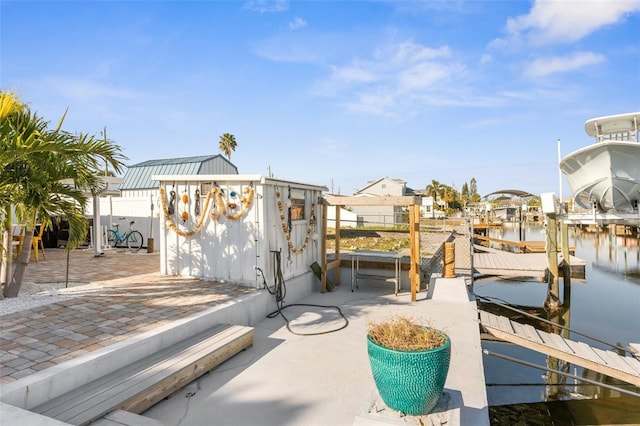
(407, 200)
(323, 250)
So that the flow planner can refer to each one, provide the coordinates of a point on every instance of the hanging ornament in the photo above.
(185, 198)
(184, 215)
(196, 208)
(172, 201)
(245, 205)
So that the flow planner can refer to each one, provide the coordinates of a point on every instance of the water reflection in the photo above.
(604, 305)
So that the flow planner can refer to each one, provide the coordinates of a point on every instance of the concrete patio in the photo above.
(285, 378)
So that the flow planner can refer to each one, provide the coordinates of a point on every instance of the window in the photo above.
(298, 205)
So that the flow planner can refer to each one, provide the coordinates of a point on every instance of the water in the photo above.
(605, 305)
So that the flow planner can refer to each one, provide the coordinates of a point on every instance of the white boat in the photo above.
(606, 174)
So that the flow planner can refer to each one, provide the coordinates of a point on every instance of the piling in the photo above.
(449, 269)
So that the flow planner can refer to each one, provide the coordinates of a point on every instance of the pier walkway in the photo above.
(609, 363)
(283, 379)
(501, 263)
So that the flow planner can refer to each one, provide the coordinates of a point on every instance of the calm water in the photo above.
(605, 305)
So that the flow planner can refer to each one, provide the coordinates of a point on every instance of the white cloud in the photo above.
(541, 67)
(297, 23)
(566, 21)
(83, 90)
(353, 74)
(397, 78)
(266, 6)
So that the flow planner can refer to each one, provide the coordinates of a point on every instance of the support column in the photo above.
(553, 292)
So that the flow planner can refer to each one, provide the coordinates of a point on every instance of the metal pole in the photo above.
(559, 171)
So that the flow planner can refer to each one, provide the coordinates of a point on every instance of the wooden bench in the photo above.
(142, 384)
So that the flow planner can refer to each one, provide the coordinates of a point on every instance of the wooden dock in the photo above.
(609, 363)
(519, 246)
(501, 263)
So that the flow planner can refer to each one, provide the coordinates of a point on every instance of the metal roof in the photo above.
(514, 192)
(139, 175)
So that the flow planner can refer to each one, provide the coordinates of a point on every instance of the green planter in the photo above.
(410, 382)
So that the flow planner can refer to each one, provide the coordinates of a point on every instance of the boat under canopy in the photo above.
(606, 174)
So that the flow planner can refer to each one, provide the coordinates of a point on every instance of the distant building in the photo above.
(138, 181)
(137, 199)
(381, 215)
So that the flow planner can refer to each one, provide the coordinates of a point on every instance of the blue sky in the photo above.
(336, 93)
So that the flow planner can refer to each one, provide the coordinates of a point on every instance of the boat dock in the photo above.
(609, 363)
(487, 261)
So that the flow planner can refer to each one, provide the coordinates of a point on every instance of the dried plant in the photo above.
(405, 334)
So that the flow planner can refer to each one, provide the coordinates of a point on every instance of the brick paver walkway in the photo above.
(130, 297)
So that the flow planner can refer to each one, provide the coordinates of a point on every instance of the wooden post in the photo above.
(564, 240)
(323, 249)
(337, 246)
(553, 292)
(414, 235)
(449, 267)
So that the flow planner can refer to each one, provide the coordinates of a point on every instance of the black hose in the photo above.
(280, 291)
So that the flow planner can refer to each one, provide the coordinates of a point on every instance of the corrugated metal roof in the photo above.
(139, 175)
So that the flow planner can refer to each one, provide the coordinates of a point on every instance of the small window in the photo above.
(205, 188)
(298, 205)
(384, 186)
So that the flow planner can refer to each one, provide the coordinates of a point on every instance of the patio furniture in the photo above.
(37, 241)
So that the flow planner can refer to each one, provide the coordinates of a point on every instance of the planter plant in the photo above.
(409, 362)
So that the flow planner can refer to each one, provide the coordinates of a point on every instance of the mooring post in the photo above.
(553, 292)
(564, 237)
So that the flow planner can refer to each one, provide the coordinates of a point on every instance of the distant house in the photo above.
(428, 209)
(381, 215)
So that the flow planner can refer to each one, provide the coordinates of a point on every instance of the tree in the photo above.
(37, 164)
(434, 190)
(464, 196)
(227, 144)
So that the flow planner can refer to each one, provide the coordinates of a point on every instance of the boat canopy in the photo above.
(514, 192)
(621, 127)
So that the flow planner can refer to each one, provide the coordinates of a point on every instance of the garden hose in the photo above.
(280, 290)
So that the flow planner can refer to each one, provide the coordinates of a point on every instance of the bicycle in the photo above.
(131, 237)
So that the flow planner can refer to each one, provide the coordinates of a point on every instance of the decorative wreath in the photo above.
(285, 228)
(245, 201)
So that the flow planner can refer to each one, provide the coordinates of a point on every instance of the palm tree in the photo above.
(448, 195)
(9, 104)
(227, 144)
(35, 161)
(434, 190)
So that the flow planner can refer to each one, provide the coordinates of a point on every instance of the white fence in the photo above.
(138, 209)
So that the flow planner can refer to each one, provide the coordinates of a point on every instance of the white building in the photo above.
(137, 199)
(382, 215)
(228, 227)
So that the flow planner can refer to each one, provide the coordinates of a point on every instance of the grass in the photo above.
(405, 334)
